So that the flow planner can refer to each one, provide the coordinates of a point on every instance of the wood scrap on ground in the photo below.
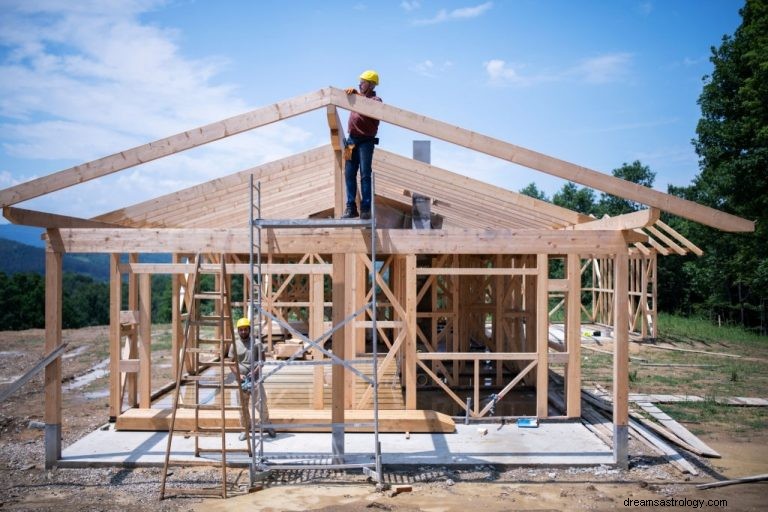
(743, 480)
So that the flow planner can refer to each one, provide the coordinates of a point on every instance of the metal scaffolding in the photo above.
(261, 461)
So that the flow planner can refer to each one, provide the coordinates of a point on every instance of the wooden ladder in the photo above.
(209, 355)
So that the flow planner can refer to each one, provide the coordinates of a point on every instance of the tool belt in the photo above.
(351, 142)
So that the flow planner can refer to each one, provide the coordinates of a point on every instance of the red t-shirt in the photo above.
(363, 126)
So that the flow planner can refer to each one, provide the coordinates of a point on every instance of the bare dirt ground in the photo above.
(739, 434)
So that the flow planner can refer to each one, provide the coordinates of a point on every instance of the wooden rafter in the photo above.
(541, 162)
(25, 217)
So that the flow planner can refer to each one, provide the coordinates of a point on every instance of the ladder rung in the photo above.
(206, 322)
(218, 450)
(203, 493)
(196, 350)
(213, 341)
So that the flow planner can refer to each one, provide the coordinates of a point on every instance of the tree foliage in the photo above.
(731, 279)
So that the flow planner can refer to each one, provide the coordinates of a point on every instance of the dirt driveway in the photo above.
(26, 485)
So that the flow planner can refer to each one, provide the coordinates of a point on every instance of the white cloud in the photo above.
(602, 69)
(430, 69)
(410, 5)
(596, 70)
(82, 80)
(645, 8)
(444, 15)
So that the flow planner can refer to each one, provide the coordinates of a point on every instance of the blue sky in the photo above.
(597, 83)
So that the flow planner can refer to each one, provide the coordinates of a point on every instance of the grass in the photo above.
(703, 330)
(716, 376)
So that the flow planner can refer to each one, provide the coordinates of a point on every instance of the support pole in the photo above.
(542, 335)
(337, 370)
(621, 361)
(410, 325)
(573, 337)
(53, 283)
(115, 305)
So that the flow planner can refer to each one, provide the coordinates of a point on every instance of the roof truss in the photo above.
(337, 98)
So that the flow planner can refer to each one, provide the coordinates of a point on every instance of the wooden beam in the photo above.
(573, 337)
(621, 360)
(632, 220)
(410, 306)
(23, 217)
(53, 309)
(337, 343)
(115, 305)
(538, 161)
(542, 335)
(164, 147)
(232, 268)
(330, 241)
(145, 341)
(337, 142)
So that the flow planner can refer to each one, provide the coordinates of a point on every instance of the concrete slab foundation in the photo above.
(551, 443)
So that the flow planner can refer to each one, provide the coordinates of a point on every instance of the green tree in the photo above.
(574, 198)
(531, 190)
(635, 172)
(732, 144)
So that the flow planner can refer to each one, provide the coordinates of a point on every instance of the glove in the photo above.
(351, 90)
(348, 151)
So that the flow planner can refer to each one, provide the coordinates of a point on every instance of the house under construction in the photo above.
(464, 301)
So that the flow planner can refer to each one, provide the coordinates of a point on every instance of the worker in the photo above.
(244, 355)
(358, 152)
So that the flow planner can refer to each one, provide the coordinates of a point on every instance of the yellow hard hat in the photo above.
(243, 322)
(371, 76)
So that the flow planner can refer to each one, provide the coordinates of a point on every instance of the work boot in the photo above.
(271, 433)
(365, 215)
(350, 213)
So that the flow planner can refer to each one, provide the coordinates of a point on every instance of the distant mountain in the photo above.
(16, 257)
(24, 234)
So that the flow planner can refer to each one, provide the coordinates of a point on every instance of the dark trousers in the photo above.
(362, 158)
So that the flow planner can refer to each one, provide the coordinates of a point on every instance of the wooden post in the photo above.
(542, 335)
(145, 340)
(337, 372)
(573, 337)
(115, 305)
(133, 305)
(317, 300)
(410, 325)
(350, 334)
(177, 332)
(53, 283)
(621, 361)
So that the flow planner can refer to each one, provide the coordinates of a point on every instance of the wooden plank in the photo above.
(678, 429)
(638, 219)
(332, 240)
(338, 293)
(389, 420)
(680, 238)
(23, 217)
(538, 161)
(163, 147)
(39, 366)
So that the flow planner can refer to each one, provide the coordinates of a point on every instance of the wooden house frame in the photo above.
(484, 276)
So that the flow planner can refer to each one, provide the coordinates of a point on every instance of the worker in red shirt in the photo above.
(358, 153)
